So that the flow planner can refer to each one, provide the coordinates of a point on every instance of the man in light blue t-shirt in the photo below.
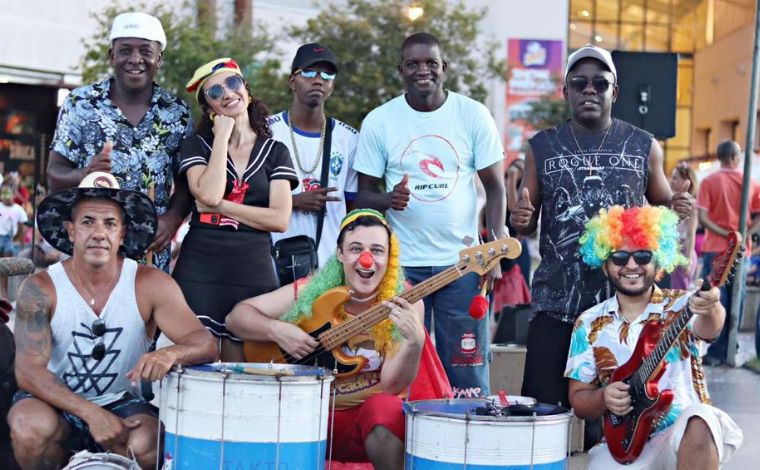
(426, 146)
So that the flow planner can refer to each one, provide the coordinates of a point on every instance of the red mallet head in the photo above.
(366, 260)
(479, 307)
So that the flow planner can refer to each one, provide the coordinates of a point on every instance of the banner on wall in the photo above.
(534, 69)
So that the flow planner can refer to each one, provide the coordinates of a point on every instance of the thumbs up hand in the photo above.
(682, 201)
(101, 161)
(399, 197)
(522, 213)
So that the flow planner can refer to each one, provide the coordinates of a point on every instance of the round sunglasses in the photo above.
(579, 84)
(641, 257)
(232, 83)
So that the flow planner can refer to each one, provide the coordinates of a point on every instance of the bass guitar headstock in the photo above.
(725, 263)
(482, 258)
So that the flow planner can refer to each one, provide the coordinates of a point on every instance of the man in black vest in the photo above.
(571, 171)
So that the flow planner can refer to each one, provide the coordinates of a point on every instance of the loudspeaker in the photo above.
(647, 84)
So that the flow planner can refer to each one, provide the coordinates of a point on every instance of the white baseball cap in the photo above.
(590, 51)
(138, 25)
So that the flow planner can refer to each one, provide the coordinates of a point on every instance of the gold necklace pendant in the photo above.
(297, 158)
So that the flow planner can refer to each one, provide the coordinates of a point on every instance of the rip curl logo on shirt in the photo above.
(433, 165)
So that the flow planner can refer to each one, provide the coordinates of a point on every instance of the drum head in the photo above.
(475, 409)
(100, 461)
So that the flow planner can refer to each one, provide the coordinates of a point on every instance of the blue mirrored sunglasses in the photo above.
(311, 73)
(232, 83)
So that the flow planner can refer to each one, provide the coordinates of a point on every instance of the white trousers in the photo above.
(661, 451)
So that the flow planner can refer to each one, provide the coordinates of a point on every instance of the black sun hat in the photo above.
(140, 221)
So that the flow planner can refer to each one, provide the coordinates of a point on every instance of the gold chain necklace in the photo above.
(596, 154)
(304, 171)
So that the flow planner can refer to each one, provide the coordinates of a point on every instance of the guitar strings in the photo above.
(341, 333)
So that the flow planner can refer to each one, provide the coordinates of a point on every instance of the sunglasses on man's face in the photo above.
(232, 83)
(311, 73)
(98, 330)
(579, 84)
(641, 257)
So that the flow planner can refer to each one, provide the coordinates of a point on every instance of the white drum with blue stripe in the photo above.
(244, 415)
(477, 434)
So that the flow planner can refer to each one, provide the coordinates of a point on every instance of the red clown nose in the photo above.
(366, 260)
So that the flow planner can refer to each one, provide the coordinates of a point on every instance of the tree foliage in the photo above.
(366, 36)
(190, 43)
(546, 112)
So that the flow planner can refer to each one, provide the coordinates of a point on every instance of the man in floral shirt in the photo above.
(129, 126)
(632, 246)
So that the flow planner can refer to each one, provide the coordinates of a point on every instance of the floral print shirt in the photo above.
(603, 340)
(143, 156)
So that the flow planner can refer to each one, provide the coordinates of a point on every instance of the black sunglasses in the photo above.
(98, 330)
(579, 84)
(641, 257)
(232, 83)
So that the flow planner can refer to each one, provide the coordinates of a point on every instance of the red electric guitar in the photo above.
(626, 435)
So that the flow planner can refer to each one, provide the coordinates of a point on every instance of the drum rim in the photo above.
(213, 372)
(100, 458)
(412, 412)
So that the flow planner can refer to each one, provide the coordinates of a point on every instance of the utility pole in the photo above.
(749, 151)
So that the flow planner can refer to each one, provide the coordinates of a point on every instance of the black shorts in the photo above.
(79, 433)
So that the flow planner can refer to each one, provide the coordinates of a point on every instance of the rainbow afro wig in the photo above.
(651, 228)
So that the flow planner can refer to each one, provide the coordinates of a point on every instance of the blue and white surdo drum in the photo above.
(478, 434)
(245, 415)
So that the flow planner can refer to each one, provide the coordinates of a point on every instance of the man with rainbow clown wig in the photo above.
(633, 247)
(368, 424)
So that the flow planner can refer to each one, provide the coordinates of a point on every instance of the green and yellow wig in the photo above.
(332, 275)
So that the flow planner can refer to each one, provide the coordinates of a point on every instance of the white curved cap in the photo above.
(138, 25)
(590, 51)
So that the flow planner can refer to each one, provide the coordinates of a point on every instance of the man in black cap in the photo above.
(315, 140)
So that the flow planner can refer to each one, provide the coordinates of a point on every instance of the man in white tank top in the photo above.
(83, 329)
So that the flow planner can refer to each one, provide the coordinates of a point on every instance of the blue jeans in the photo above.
(719, 348)
(461, 341)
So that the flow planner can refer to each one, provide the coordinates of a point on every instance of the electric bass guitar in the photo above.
(626, 435)
(326, 326)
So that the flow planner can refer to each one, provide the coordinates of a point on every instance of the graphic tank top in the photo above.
(578, 174)
(125, 338)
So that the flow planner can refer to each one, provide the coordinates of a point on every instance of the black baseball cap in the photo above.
(312, 53)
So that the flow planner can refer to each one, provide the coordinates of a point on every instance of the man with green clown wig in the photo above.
(633, 247)
(368, 423)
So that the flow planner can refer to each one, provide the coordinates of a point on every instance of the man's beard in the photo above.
(648, 281)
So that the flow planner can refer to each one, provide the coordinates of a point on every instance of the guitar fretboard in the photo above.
(374, 315)
(669, 336)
